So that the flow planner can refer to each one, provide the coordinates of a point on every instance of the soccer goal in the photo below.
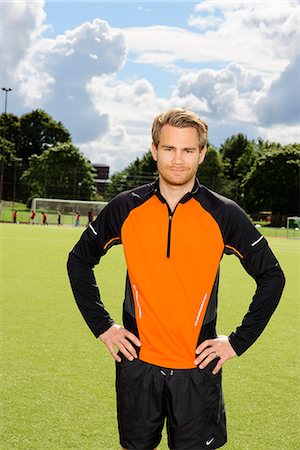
(293, 227)
(68, 212)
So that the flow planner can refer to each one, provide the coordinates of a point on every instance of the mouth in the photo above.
(177, 169)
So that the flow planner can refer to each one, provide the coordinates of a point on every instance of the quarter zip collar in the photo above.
(184, 199)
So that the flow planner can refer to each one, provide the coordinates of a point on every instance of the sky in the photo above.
(106, 69)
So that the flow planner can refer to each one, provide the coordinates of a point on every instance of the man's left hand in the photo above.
(214, 348)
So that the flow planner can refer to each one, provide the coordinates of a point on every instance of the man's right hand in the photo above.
(117, 336)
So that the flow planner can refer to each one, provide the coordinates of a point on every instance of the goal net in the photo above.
(293, 227)
(60, 211)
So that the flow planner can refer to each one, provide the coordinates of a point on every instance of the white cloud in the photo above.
(78, 54)
(20, 25)
(127, 102)
(204, 22)
(35, 87)
(57, 71)
(211, 6)
(262, 36)
(116, 148)
(281, 104)
(227, 94)
(284, 134)
(270, 28)
(132, 106)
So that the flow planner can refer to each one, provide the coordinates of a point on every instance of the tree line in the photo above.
(259, 175)
(39, 160)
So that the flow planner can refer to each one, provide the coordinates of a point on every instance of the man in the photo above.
(174, 233)
(58, 218)
(44, 215)
(32, 217)
(77, 221)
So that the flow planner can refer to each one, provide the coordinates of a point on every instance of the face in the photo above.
(178, 155)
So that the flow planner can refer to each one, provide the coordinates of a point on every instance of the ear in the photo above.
(154, 151)
(202, 155)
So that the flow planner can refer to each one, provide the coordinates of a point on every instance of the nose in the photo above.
(177, 157)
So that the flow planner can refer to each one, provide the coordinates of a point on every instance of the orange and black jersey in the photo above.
(173, 263)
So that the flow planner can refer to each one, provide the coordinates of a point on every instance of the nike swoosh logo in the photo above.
(210, 441)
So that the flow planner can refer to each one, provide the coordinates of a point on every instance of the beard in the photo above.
(179, 178)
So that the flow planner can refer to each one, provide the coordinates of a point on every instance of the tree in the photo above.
(30, 134)
(33, 132)
(233, 149)
(7, 151)
(273, 183)
(10, 133)
(10, 128)
(211, 171)
(7, 155)
(140, 171)
(38, 132)
(60, 172)
(238, 155)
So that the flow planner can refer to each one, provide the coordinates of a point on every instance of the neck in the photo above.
(174, 193)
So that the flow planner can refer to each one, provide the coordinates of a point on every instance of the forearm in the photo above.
(87, 295)
(269, 289)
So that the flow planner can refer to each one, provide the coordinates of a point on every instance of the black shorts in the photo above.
(190, 400)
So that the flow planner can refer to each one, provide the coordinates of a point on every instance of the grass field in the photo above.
(24, 213)
(23, 217)
(58, 380)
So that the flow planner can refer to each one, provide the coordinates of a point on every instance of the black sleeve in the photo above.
(87, 295)
(244, 240)
(101, 234)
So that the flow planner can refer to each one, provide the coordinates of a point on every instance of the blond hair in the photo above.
(180, 118)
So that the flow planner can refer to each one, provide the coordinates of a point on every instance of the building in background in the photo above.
(102, 177)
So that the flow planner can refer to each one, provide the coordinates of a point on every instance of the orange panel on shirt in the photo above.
(171, 294)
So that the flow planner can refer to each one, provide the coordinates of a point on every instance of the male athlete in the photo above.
(174, 233)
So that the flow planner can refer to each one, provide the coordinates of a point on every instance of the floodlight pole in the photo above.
(6, 90)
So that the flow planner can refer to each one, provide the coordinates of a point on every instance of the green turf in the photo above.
(58, 381)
